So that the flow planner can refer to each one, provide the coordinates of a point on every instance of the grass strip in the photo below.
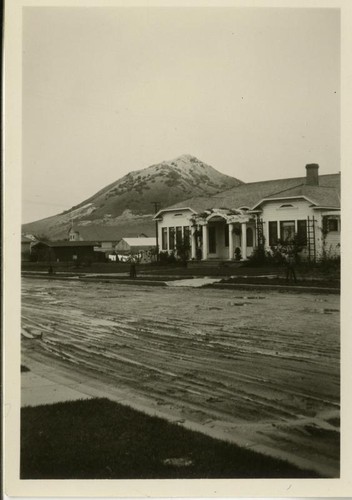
(100, 439)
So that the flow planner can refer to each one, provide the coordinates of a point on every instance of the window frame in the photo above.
(226, 236)
(302, 235)
(172, 239)
(334, 220)
(286, 205)
(178, 237)
(249, 230)
(164, 238)
(212, 239)
(292, 224)
(272, 236)
(186, 235)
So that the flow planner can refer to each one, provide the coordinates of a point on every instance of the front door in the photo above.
(212, 239)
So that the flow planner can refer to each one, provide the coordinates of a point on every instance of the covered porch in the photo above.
(221, 234)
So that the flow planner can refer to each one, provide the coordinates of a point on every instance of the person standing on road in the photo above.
(290, 261)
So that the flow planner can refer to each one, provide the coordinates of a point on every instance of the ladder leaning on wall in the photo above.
(311, 239)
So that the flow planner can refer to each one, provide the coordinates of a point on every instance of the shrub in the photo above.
(258, 257)
(276, 256)
(237, 253)
(167, 258)
(329, 260)
(182, 251)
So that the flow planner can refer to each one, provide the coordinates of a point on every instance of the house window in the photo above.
(249, 233)
(333, 225)
(286, 205)
(302, 232)
(212, 239)
(171, 238)
(186, 235)
(179, 235)
(226, 236)
(273, 233)
(164, 238)
(287, 230)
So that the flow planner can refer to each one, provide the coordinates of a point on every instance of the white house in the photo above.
(235, 222)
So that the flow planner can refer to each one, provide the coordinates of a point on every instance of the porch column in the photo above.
(193, 243)
(244, 240)
(231, 241)
(205, 241)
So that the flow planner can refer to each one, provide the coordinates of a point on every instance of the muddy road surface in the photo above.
(260, 369)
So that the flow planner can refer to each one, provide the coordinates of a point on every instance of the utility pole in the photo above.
(156, 210)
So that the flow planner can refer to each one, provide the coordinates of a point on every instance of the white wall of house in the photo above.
(332, 244)
(173, 219)
(280, 211)
(181, 218)
(332, 240)
(300, 210)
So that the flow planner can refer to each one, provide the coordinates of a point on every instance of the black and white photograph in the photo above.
(179, 245)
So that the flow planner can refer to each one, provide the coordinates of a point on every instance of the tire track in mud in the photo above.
(258, 369)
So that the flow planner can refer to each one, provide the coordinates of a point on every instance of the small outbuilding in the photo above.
(27, 242)
(67, 251)
(143, 249)
(105, 237)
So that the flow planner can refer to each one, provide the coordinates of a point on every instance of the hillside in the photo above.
(128, 202)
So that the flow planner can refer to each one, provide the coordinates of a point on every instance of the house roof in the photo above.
(140, 242)
(57, 244)
(319, 195)
(97, 233)
(250, 194)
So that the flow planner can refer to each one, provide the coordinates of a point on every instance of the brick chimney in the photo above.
(312, 176)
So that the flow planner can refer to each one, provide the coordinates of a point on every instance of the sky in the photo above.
(254, 92)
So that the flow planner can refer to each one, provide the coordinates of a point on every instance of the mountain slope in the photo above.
(128, 202)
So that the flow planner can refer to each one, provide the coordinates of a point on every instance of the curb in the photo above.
(286, 288)
(161, 283)
(102, 279)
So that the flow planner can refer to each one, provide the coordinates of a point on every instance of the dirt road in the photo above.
(260, 369)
